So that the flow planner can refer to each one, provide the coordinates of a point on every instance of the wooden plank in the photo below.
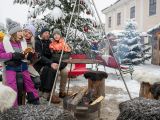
(97, 100)
(78, 97)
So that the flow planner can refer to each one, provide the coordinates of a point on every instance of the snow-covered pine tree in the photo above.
(129, 47)
(57, 14)
(2, 28)
(146, 52)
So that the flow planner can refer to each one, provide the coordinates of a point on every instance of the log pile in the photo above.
(40, 112)
(139, 109)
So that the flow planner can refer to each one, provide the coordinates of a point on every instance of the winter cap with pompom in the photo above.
(12, 26)
(31, 28)
(57, 31)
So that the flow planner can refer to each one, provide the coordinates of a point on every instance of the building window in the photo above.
(118, 18)
(152, 7)
(132, 12)
(109, 22)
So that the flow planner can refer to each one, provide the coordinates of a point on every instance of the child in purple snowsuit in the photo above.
(11, 53)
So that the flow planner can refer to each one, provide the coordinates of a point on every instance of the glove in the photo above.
(18, 56)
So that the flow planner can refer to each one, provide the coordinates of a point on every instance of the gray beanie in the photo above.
(12, 26)
(57, 31)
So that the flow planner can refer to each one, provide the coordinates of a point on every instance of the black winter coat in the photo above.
(46, 57)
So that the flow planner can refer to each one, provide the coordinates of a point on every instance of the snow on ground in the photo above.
(112, 81)
(147, 73)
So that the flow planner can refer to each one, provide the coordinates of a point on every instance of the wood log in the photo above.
(96, 82)
(145, 90)
(79, 96)
(97, 100)
(98, 86)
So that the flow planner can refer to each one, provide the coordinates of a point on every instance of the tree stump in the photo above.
(139, 109)
(96, 82)
(145, 90)
(33, 112)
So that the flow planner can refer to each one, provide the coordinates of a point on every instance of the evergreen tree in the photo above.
(57, 14)
(2, 28)
(129, 47)
(146, 52)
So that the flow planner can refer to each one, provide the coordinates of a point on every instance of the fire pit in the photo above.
(88, 100)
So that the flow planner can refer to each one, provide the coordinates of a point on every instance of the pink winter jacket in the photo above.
(3, 55)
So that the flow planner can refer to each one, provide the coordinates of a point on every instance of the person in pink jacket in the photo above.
(11, 53)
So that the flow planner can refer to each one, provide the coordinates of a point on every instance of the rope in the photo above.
(55, 81)
(119, 68)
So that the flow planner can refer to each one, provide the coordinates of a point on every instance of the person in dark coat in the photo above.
(45, 66)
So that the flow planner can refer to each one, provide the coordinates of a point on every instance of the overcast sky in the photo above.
(19, 12)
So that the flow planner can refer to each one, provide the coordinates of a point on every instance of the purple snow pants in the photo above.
(28, 84)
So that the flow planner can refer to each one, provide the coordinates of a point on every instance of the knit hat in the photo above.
(12, 26)
(31, 28)
(44, 30)
(57, 31)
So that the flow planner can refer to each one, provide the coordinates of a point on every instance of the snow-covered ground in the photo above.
(113, 81)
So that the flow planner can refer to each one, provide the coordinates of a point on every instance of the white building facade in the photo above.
(145, 12)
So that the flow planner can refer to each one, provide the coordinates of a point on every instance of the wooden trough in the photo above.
(88, 100)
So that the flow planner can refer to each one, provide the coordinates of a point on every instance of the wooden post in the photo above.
(24, 98)
(158, 39)
(145, 90)
(98, 86)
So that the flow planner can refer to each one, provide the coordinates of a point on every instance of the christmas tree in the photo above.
(2, 28)
(129, 47)
(146, 52)
(57, 14)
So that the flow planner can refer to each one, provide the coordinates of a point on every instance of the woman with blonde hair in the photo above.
(11, 53)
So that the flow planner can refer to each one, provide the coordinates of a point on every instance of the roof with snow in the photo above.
(154, 28)
(111, 5)
(116, 33)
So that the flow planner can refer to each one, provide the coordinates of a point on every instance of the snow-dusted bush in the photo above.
(7, 97)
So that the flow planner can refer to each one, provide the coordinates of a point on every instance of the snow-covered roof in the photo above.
(115, 5)
(144, 34)
(111, 5)
(116, 33)
(154, 28)
(119, 33)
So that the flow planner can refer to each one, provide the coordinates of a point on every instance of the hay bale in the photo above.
(40, 112)
(139, 109)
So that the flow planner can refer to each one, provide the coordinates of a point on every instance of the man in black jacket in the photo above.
(45, 66)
